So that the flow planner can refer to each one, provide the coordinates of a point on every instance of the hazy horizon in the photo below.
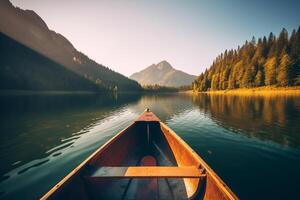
(128, 36)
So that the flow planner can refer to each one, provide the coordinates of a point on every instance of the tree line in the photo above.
(104, 77)
(159, 88)
(268, 61)
(22, 68)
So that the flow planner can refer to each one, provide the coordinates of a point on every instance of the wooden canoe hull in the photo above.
(146, 136)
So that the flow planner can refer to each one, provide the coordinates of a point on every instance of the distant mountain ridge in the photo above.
(28, 28)
(163, 74)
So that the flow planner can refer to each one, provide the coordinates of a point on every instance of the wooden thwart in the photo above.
(166, 156)
(147, 172)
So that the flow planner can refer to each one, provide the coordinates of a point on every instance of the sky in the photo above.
(129, 35)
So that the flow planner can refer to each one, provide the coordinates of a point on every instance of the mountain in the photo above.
(27, 28)
(25, 69)
(163, 74)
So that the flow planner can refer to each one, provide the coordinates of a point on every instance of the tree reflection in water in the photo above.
(270, 117)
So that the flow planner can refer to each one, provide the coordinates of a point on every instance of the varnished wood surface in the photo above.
(74, 174)
(147, 159)
(215, 188)
(147, 172)
(148, 116)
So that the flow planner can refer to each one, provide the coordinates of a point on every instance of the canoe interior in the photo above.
(141, 144)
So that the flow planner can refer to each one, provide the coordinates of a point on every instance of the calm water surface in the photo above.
(253, 143)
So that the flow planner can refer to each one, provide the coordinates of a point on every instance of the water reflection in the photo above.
(43, 137)
(166, 106)
(274, 118)
(34, 124)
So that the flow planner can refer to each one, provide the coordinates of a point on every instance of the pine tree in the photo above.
(282, 42)
(258, 79)
(265, 47)
(296, 72)
(232, 78)
(284, 77)
(269, 61)
(215, 82)
(258, 52)
(271, 45)
(270, 71)
(248, 77)
(239, 74)
(295, 45)
(224, 79)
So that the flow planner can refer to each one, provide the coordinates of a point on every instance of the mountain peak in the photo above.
(163, 74)
(164, 65)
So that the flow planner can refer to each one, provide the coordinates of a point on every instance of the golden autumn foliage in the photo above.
(266, 62)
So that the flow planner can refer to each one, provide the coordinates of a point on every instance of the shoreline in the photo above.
(79, 92)
(266, 90)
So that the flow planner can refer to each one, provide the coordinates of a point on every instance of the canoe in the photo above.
(146, 160)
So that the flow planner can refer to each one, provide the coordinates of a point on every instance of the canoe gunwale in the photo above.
(69, 177)
(207, 170)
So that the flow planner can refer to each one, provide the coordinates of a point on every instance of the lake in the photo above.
(251, 142)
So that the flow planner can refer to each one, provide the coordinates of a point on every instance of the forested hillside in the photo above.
(29, 29)
(269, 61)
(21, 68)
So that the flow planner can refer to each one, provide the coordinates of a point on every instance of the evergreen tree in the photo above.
(232, 78)
(215, 82)
(284, 77)
(295, 45)
(265, 47)
(271, 45)
(282, 42)
(296, 72)
(258, 79)
(269, 61)
(224, 79)
(248, 77)
(270, 71)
